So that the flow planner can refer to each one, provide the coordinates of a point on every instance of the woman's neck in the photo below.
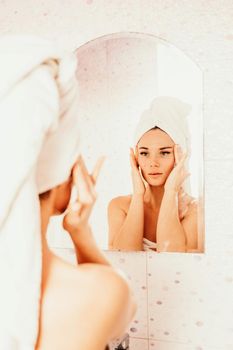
(47, 254)
(153, 196)
(45, 210)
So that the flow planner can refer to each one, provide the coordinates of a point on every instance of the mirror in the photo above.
(119, 76)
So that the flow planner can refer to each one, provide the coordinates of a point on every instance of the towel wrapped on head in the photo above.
(170, 115)
(39, 145)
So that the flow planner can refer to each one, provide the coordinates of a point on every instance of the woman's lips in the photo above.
(155, 174)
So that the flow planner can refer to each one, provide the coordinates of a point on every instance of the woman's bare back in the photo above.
(80, 306)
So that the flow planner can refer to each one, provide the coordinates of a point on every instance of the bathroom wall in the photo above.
(185, 300)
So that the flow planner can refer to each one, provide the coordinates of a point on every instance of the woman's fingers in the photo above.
(79, 211)
(142, 178)
(76, 206)
(180, 167)
(182, 161)
(176, 154)
(185, 176)
(74, 171)
(137, 178)
(85, 172)
(76, 215)
(82, 210)
(178, 173)
(89, 178)
(180, 156)
(83, 183)
(133, 160)
(97, 169)
(85, 193)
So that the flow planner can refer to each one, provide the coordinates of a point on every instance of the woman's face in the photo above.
(155, 155)
(63, 196)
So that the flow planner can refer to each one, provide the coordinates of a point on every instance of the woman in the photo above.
(82, 307)
(45, 302)
(159, 215)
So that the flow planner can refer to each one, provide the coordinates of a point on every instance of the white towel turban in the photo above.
(170, 115)
(39, 144)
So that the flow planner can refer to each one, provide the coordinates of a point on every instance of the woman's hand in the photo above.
(77, 214)
(184, 200)
(178, 173)
(139, 185)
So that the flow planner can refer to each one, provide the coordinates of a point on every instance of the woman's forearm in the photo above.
(170, 233)
(130, 235)
(86, 248)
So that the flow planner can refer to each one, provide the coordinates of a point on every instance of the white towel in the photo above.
(39, 145)
(149, 245)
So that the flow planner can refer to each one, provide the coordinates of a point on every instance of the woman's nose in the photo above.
(154, 162)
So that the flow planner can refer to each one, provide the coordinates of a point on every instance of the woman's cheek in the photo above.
(170, 166)
(142, 164)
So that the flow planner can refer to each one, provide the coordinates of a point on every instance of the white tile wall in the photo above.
(173, 300)
(139, 344)
(197, 312)
(157, 345)
(219, 204)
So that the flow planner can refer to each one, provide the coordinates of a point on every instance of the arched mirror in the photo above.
(120, 77)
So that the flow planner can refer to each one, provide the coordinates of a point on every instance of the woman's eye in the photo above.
(164, 153)
(143, 153)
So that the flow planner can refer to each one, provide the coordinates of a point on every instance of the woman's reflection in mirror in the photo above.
(160, 214)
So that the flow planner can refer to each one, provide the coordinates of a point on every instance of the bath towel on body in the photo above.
(39, 145)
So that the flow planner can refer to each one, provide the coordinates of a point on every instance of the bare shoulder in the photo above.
(111, 295)
(97, 272)
(117, 211)
(121, 202)
(79, 301)
(105, 281)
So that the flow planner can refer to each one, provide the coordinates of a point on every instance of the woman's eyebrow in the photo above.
(161, 148)
(165, 147)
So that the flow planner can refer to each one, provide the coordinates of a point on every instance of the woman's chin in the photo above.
(155, 182)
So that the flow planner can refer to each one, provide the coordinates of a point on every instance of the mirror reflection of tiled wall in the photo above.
(185, 301)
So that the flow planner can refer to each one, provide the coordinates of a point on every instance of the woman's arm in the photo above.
(75, 221)
(194, 232)
(120, 307)
(174, 234)
(171, 236)
(126, 226)
(126, 229)
(86, 249)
